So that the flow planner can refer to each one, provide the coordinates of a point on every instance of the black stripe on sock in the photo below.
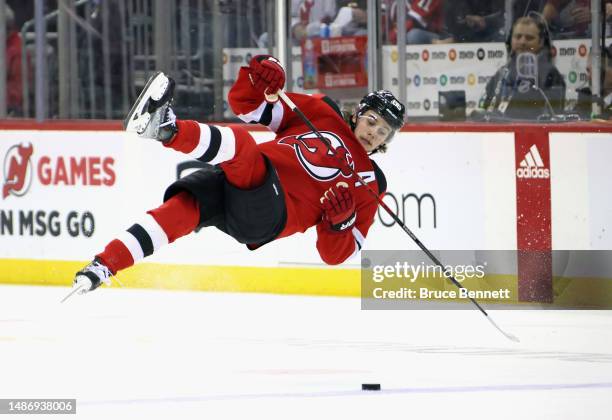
(215, 144)
(143, 238)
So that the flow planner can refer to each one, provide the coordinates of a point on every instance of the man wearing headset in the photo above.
(528, 35)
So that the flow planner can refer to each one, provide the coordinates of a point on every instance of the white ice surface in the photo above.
(131, 354)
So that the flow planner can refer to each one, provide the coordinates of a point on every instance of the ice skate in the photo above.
(151, 116)
(90, 278)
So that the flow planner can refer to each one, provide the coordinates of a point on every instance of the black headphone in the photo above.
(544, 33)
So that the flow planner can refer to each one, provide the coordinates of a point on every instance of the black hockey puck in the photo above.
(370, 387)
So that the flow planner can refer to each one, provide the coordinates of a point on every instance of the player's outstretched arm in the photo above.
(247, 97)
(252, 96)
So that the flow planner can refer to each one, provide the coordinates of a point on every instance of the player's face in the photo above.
(372, 130)
(526, 38)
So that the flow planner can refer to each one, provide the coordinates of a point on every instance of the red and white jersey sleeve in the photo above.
(251, 106)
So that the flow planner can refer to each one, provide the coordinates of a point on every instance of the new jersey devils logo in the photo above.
(317, 159)
(17, 172)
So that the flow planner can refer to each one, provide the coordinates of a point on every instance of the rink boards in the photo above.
(68, 190)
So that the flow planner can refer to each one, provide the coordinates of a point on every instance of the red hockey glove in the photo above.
(266, 74)
(339, 207)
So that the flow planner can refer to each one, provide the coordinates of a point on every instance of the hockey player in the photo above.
(257, 193)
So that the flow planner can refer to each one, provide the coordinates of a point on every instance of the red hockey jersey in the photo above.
(306, 169)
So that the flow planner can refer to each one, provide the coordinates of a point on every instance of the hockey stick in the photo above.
(433, 258)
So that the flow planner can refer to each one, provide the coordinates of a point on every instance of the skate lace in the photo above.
(170, 118)
(103, 273)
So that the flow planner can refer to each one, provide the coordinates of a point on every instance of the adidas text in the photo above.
(541, 173)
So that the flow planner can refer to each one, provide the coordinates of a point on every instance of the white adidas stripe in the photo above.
(536, 155)
(532, 158)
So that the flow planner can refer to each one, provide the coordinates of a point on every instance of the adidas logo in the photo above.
(349, 222)
(533, 165)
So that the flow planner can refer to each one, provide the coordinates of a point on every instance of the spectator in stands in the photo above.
(311, 14)
(528, 35)
(424, 21)
(571, 18)
(313, 18)
(351, 20)
(474, 21)
(14, 86)
(586, 98)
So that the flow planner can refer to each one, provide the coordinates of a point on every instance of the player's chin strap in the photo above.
(379, 149)
(294, 108)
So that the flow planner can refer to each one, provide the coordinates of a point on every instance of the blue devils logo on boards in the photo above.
(316, 158)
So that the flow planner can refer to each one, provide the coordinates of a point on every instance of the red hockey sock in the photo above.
(187, 136)
(177, 217)
(116, 256)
